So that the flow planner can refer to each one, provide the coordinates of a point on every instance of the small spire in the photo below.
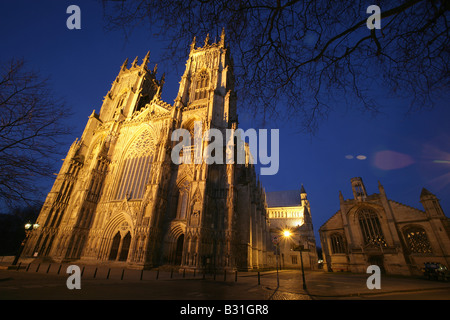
(341, 197)
(193, 44)
(146, 59)
(222, 37)
(425, 193)
(302, 190)
(125, 64)
(380, 187)
(207, 40)
(134, 62)
(155, 69)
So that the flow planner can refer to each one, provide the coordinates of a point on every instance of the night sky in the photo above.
(405, 152)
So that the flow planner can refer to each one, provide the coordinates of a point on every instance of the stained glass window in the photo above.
(371, 227)
(417, 240)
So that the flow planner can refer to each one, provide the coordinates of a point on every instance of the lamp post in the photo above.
(277, 251)
(29, 227)
(301, 248)
(301, 261)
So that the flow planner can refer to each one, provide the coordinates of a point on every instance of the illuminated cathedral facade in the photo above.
(119, 198)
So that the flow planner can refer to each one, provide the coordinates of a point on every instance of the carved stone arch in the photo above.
(196, 196)
(148, 135)
(189, 122)
(118, 229)
(95, 144)
(115, 223)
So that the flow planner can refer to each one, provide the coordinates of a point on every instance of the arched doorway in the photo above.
(125, 247)
(115, 247)
(179, 250)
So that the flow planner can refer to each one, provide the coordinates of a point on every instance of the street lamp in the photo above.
(29, 227)
(301, 248)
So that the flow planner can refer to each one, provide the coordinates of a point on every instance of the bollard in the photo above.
(157, 274)
(59, 269)
(48, 269)
(235, 276)
(37, 269)
(225, 275)
(28, 266)
(82, 271)
(109, 270)
(95, 272)
(18, 267)
(184, 273)
(259, 278)
(142, 273)
(123, 271)
(194, 272)
(171, 273)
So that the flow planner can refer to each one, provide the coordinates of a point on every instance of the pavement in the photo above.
(49, 282)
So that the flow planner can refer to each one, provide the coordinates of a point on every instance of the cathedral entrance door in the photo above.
(115, 247)
(125, 247)
(179, 250)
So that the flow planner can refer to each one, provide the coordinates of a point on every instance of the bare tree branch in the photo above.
(31, 130)
(297, 57)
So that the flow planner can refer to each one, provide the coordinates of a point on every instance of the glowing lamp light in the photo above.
(286, 233)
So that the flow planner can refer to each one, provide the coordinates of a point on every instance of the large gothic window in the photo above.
(201, 86)
(136, 168)
(371, 227)
(417, 240)
(337, 243)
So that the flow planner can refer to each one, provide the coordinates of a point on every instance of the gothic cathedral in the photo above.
(120, 199)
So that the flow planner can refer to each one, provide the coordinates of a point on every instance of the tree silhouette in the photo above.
(31, 129)
(301, 58)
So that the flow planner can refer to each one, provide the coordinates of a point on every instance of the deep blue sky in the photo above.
(405, 153)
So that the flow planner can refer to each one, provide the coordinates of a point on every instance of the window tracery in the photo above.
(338, 243)
(136, 168)
(417, 240)
(201, 86)
(371, 227)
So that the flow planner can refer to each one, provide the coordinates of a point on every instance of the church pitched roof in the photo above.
(288, 198)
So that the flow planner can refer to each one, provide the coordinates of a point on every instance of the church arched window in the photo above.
(417, 240)
(338, 243)
(201, 86)
(371, 227)
(136, 168)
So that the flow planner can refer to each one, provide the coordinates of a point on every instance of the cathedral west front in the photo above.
(119, 198)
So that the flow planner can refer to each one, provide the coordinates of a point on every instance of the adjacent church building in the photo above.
(119, 198)
(291, 229)
(372, 229)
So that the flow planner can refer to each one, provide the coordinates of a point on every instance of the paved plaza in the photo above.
(48, 281)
